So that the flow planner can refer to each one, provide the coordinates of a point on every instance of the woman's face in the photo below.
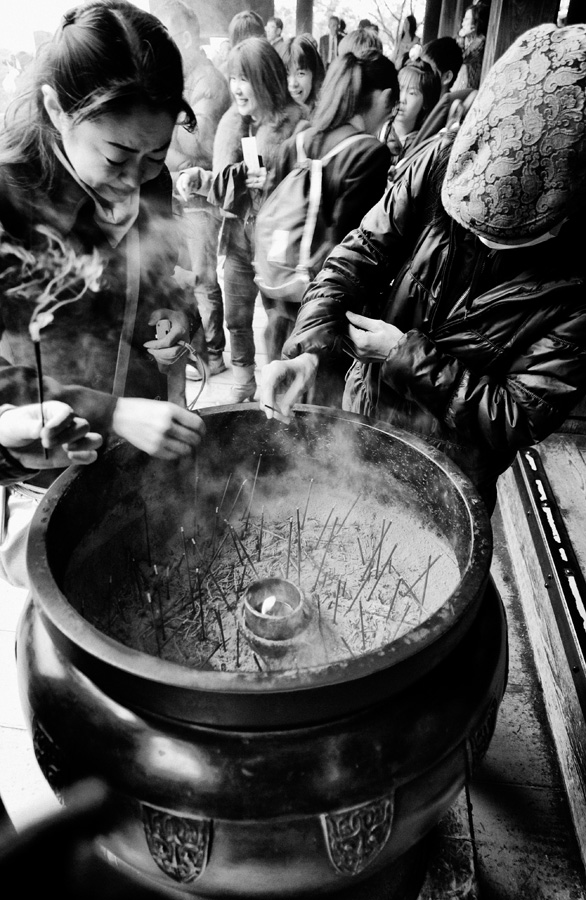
(117, 152)
(243, 94)
(410, 105)
(467, 28)
(300, 82)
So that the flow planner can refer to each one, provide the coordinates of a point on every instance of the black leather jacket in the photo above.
(493, 356)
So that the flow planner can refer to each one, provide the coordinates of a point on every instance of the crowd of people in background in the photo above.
(185, 150)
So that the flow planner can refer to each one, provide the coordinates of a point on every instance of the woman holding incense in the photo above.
(85, 212)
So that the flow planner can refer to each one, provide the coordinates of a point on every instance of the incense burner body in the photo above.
(286, 781)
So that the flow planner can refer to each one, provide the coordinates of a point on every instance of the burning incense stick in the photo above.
(225, 489)
(237, 498)
(219, 618)
(200, 596)
(307, 502)
(289, 548)
(298, 548)
(262, 519)
(252, 494)
(185, 557)
(39, 365)
(345, 519)
(337, 598)
(325, 553)
(324, 528)
(382, 572)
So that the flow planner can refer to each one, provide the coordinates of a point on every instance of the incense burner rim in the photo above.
(98, 651)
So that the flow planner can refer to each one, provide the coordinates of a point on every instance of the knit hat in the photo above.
(518, 164)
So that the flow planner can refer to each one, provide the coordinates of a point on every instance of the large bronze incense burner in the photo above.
(286, 658)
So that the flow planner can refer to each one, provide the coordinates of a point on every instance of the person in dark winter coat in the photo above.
(264, 110)
(467, 315)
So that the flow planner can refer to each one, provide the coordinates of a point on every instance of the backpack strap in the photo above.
(347, 142)
(315, 191)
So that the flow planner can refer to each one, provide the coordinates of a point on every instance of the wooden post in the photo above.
(509, 19)
(450, 18)
(576, 12)
(433, 9)
(304, 17)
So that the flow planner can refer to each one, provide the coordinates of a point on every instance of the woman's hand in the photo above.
(256, 180)
(283, 382)
(66, 436)
(193, 181)
(161, 429)
(373, 339)
(166, 349)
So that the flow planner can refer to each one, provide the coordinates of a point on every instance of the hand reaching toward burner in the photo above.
(161, 429)
(283, 382)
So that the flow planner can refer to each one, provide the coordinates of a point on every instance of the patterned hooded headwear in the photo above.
(517, 168)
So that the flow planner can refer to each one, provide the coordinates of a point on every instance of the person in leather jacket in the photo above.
(461, 295)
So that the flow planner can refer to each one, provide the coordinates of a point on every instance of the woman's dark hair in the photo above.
(302, 53)
(426, 80)
(348, 87)
(261, 65)
(480, 16)
(107, 56)
(360, 41)
(412, 25)
(245, 24)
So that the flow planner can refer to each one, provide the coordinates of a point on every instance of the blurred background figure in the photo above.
(305, 72)
(472, 36)
(274, 32)
(209, 97)
(243, 25)
(328, 43)
(264, 110)
(406, 40)
(360, 41)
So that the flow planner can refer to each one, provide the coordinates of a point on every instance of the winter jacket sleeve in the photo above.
(357, 274)
(505, 405)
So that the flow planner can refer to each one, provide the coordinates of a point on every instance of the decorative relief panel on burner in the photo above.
(179, 846)
(356, 836)
(478, 742)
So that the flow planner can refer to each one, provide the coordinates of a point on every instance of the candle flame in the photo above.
(268, 605)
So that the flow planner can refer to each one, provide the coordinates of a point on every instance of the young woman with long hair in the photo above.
(419, 91)
(82, 174)
(262, 109)
(357, 96)
(305, 72)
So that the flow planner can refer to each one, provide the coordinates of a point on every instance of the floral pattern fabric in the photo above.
(518, 165)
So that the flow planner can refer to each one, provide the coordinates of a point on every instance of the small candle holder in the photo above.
(274, 618)
(274, 609)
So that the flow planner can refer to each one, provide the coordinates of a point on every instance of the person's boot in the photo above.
(215, 366)
(244, 386)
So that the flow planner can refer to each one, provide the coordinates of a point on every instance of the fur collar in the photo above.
(233, 127)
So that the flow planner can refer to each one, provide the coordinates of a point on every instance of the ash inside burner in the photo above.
(370, 567)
